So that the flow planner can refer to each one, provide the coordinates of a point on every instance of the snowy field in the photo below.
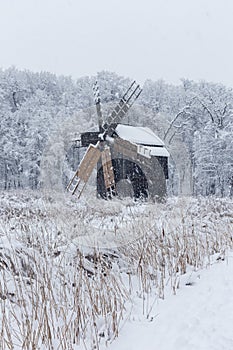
(199, 317)
(115, 274)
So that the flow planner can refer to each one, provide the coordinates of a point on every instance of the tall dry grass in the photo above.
(56, 294)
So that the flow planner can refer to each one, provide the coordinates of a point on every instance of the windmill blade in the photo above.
(126, 148)
(122, 108)
(80, 178)
(98, 105)
(109, 179)
(130, 149)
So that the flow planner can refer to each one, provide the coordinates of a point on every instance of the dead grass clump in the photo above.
(55, 294)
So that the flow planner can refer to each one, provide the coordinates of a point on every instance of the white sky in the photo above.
(140, 39)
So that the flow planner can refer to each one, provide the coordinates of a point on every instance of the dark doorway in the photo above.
(125, 169)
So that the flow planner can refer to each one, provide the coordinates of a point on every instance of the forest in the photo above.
(194, 119)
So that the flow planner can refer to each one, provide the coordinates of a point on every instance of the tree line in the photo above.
(197, 116)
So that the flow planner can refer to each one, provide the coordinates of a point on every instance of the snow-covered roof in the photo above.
(158, 151)
(143, 136)
(138, 134)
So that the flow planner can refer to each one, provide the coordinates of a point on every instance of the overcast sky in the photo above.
(140, 39)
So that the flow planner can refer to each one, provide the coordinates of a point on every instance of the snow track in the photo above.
(199, 317)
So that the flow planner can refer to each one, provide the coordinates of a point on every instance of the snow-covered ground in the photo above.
(117, 274)
(198, 317)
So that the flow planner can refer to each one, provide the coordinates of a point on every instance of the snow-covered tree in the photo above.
(194, 116)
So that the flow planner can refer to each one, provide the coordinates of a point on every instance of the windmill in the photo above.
(119, 157)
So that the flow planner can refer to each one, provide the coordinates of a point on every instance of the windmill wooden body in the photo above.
(122, 153)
